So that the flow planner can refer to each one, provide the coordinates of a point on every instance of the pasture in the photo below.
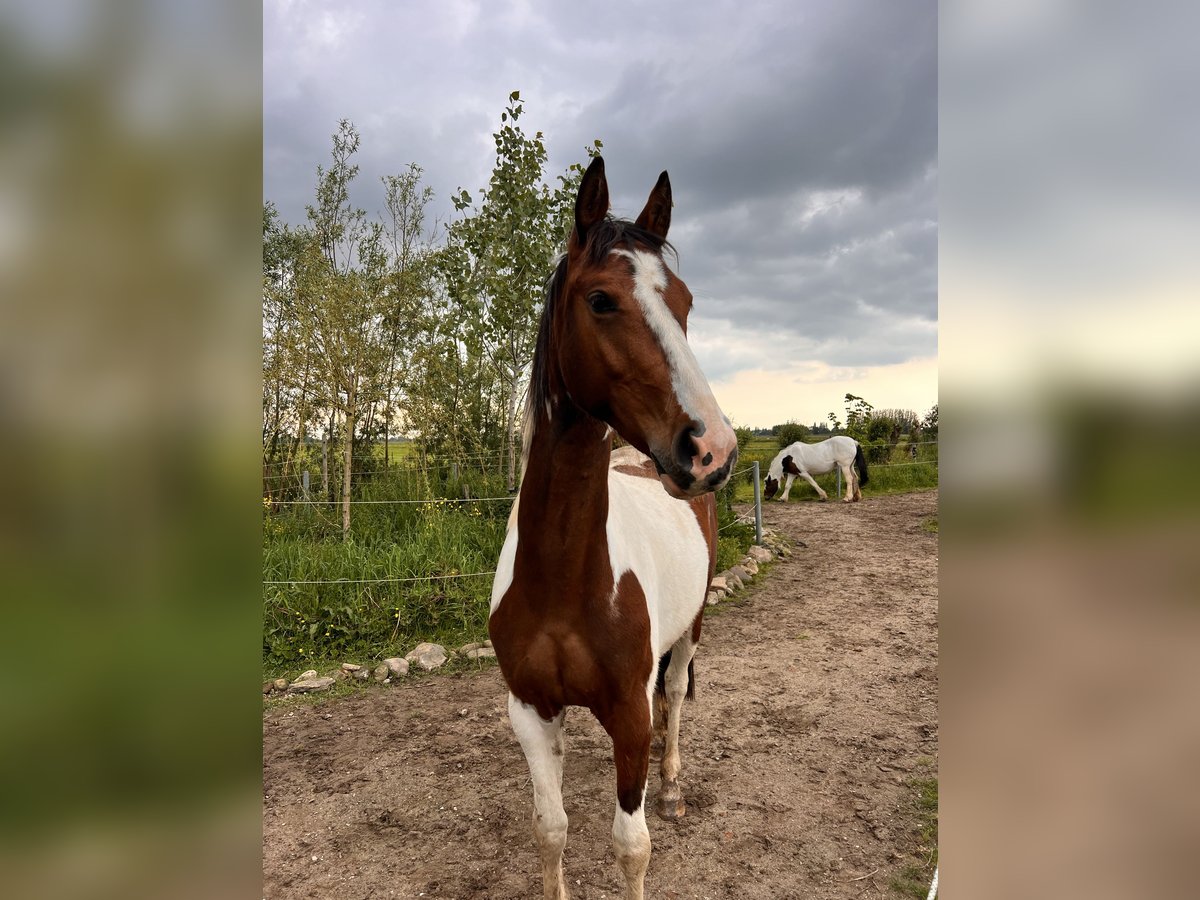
(809, 754)
(408, 573)
(894, 469)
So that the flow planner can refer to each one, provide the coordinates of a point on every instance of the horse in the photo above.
(807, 460)
(600, 586)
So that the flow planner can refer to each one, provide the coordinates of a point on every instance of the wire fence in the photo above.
(320, 503)
(397, 580)
(421, 578)
(433, 500)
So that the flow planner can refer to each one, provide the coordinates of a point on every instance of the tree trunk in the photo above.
(510, 427)
(348, 456)
(325, 446)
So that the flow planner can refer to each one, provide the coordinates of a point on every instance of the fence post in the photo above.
(757, 506)
(839, 482)
(304, 482)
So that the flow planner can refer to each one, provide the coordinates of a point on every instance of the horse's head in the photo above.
(621, 330)
(772, 486)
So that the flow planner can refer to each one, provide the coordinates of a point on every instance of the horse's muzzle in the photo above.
(683, 484)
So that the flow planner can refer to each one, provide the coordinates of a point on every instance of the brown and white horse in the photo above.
(608, 555)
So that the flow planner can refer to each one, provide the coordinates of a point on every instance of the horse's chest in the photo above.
(570, 643)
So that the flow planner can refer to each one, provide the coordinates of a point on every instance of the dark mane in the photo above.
(602, 238)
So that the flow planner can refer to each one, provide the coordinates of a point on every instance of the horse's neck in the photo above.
(564, 492)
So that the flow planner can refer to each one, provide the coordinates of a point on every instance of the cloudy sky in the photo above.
(800, 136)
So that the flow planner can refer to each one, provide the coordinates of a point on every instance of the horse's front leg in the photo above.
(787, 487)
(543, 745)
(670, 804)
(629, 726)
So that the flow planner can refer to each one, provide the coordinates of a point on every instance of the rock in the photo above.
(721, 595)
(712, 599)
(361, 674)
(487, 643)
(268, 686)
(760, 554)
(381, 673)
(742, 575)
(718, 584)
(427, 656)
(308, 685)
(311, 673)
(466, 649)
(481, 653)
(280, 684)
(732, 582)
(750, 566)
(397, 666)
(351, 667)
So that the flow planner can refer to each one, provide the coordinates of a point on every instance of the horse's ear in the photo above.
(592, 203)
(656, 217)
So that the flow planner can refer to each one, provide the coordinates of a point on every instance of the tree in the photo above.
(407, 276)
(286, 409)
(790, 432)
(505, 248)
(930, 423)
(342, 303)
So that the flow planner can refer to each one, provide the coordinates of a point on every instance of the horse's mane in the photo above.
(602, 238)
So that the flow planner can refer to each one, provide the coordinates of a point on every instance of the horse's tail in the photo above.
(861, 462)
(661, 685)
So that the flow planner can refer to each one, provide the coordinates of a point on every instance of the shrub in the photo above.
(790, 432)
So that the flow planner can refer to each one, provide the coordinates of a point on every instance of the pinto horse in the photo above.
(608, 557)
(807, 460)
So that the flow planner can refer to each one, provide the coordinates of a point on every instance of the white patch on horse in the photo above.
(631, 841)
(690, 385)
(542, 744)
(507, 561)
(658, 539)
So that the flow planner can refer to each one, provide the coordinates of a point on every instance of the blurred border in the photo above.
(1070, 370)
(130, 209)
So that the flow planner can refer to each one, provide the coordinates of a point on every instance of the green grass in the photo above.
(897, 476)
(930, 525)
(914, 878)
(344, 619)
(348, 618)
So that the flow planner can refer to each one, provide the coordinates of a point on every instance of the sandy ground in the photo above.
(816, 707)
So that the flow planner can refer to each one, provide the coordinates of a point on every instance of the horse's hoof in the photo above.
(671, 810)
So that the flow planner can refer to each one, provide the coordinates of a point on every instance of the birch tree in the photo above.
(509, 242)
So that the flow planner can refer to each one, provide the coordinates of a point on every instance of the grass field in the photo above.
(420, 570)
(351, 602)
(899, 474)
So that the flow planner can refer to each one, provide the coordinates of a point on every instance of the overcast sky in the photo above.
(800, 137)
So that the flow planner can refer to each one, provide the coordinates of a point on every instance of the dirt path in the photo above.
(816, 706)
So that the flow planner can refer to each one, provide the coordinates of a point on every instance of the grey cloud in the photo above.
(757, 111)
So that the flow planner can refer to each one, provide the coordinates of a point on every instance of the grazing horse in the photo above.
(608, 556)
(807, 460)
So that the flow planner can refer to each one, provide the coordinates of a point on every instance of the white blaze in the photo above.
(691, 387)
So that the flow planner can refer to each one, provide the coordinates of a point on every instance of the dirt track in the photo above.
(816, 706)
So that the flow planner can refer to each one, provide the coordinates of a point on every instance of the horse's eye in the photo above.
(600, 302)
